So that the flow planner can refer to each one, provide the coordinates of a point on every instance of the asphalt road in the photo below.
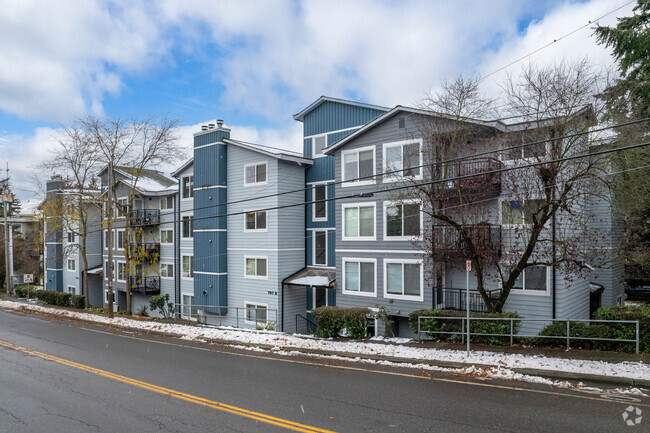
(60, 376)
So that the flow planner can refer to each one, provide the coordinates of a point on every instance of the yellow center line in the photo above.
(280, 422)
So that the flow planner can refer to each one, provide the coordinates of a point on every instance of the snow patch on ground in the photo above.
(500, 364)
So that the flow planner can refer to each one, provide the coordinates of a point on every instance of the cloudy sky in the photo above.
(255, 63)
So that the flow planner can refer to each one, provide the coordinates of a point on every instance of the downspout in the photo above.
(282, 307)
(554, 266)
(177, 253)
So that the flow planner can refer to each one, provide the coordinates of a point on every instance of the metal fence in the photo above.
(512, 334)
(236, 317)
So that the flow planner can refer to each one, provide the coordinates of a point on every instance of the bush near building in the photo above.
(332, 320)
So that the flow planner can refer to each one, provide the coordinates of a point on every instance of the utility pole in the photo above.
(5, 196)
(109, 217)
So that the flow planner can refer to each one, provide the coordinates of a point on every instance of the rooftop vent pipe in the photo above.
(210, 125)
(204, 127)
(219, 123)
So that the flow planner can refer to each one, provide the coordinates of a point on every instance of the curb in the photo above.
(554, 374)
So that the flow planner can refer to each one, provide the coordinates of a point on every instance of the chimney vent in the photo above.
(204, 127)
(219, 123)
(210, 125)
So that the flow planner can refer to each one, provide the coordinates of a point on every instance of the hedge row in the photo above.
(332, 320)
(23, 292)
(453, 328)
(59, 298)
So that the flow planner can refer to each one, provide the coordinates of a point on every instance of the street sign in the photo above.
(28, 278)
(468, 265)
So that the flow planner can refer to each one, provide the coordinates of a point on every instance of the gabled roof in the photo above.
(282, 154)
(496, 124)
(187, 163)
(148, 182)
(300, 116)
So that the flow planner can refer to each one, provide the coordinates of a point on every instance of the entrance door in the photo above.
(316, 297)
(595, 302)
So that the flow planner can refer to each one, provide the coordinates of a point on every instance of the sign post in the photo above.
(468, 268)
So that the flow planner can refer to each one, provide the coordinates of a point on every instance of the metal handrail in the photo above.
(221, 316)
(518, 319)
(309, 322)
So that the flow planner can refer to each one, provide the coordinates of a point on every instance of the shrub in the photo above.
(331, 320)
(628, 331)
(160, 302)
(453, 328)
(20, 292)
(142, 311)
(53, 298)
(78, 301)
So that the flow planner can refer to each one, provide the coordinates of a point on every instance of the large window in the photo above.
(166, 270)
(320, 247)
(359, 277)
(167, 203)
(166, 236)
(122, 207)
(533, 279)
(256, 313)
(187, 187)
(403, 159)
(319, 207)
(121, 271)
(358, 166)
(403, 279)
(402, 220)
(255, 174)
(318, 143)
(359, 221)
(119, 243)
(516, 212)
(72, 264)
(188, 266)
(256, 267)
(255, 221)
(187, 226)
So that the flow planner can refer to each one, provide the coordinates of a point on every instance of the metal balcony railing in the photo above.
(144, 217)
(145, 285)
(149, 251)
(489, 183)
(486, 237)
(456, 299)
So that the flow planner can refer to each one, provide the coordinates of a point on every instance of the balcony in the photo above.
(448, 240)
(489, 184)
(144, 217)
(149, 252)
(145, 285)
(456, 299)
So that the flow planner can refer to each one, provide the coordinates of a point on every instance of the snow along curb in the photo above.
(625, 373)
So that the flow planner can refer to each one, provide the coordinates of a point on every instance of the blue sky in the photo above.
(254, 63)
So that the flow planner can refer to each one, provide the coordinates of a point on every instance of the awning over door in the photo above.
(97, 270)
(312, 277)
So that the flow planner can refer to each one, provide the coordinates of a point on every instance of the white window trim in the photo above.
(257, 277)
(74, 289)
(313, 205)
(173, 270)
(112, 240)
(190, 294)
(344, 291)
(191, 197)
(374, 221)
(514, 226)
(258, 305)
(172, 238)
(313, 252)
(525, 292)
(166, 198)
(385, 220)
(117, 231)
(182, 220)
(107, 269)
(182, 276)
(348, 182)
(404, 297)
(117, 202)
(67, 265)
(256, 230)
(313, 145)
(117, 271)
(313, 298)
(256, 183)
(393, 177)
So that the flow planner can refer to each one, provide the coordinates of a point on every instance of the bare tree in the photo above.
(492, 209)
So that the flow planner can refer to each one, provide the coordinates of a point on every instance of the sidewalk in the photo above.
(508, 362)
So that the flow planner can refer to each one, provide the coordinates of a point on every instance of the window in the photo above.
(166, 270)
(188, 267)
(514, 213)
(187, 226)
(319, 297)
(119, 243)
(256, 312)
(121, 207)
(533, 279)
(403, 159)
(187, 301)
(121, 271)
(187, 187)
(106, 239)
(359, 277)
(524, 149)
(319, 209)
(255, 221)
(107, 271)
(320, 247)
(402, 220)
(318, 143)
(71, 237)
(256, 267)
(166, 236)
(72, 264)
(167, 203)
(358, 166)
(72, 290)
(359, 221)
(403, 279)
(255, 174)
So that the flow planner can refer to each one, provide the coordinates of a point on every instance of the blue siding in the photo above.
(208, 205)
(210, 137)
(333, 138)
(215, 287)
(322, 169)
(332, 116)
(331, 209)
